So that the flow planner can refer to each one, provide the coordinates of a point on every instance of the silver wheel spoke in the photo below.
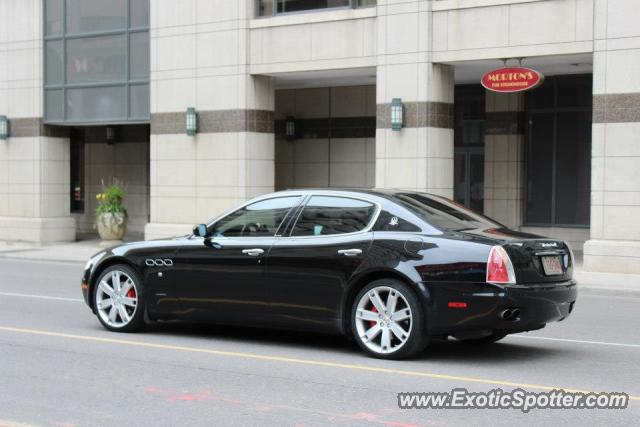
(105, 303)
(131, 302)
(392, 300)
(367, 315)
(376, 300)
(104, 287)
(372, 333)
(397, 330)
(115, 280)
(112, 313)
(403, 314)
(385, 341)
(124, 316)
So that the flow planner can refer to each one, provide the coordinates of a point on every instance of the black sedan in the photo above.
(392, 268)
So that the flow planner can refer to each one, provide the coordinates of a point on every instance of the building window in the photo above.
(77, 176)
(96, 57)
(277, 7)
(558, 156)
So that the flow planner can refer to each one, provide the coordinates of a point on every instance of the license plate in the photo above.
(552, 265)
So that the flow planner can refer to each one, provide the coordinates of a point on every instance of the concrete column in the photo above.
(420, 156)
(199, 59)
(503, 158)
(34, 161)
(615, 176)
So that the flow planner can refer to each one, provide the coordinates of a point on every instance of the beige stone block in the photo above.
(622, 139)
(542, 22)
(22, 172)
(259, 146)
(215, 11)
(285, 43)
(175, 95)
(260, 173)
(616, 222)
(175, 172)
(219, 48)
(401, 173)
(284, 176)
(621, 174)
(22, 205)
(620, 77)
(403, 144)
(284, 151)
(219, 173)
(213, 146)
(174, 210)
(175, 13)
(209, 208)
(337, 39)
(477, 28)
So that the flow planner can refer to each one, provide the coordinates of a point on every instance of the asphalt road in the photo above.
(58, 366)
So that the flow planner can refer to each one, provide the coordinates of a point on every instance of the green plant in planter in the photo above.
(111, 215)
(110, 200)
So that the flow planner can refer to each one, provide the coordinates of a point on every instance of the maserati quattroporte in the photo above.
(392, 268)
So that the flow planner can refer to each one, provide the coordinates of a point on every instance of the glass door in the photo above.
(469, 177)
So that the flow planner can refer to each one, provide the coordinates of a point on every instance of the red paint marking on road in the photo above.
(191, 397)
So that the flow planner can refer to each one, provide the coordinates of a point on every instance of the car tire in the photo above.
(376, 332)
(490, 339)
(123, 310)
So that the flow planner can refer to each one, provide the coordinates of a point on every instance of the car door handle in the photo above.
(253, 252)
(350, 252)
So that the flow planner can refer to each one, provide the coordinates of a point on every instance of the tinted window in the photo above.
(442, 213)
(258, 219)
(325, 215)
(388, 222)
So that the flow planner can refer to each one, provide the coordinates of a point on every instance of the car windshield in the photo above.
(443, 213)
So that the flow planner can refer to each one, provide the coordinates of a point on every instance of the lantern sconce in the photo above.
(192, 121)
(290, 128)
(4, 127)
(397, 114)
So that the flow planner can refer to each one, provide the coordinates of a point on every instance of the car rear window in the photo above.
(326, 215)
(443, 213)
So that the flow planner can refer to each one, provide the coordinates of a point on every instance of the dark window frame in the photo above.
(353, 4)
(555, 110)
(127, 83)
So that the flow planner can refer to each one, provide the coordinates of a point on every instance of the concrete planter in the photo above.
(111, 226)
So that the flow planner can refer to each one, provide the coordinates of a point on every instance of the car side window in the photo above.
(327, 215)
(255, 220)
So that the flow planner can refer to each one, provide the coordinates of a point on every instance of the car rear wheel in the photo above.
(388, 320)
(118, 299)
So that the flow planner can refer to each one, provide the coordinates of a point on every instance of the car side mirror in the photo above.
(200, 230)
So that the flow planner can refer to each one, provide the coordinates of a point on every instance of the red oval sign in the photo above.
(512, 79)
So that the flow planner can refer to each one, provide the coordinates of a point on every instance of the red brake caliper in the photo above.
(373, 322)
(131, 293)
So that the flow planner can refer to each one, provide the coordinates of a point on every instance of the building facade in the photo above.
(298, 93)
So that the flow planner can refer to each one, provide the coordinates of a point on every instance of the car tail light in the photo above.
(499, 267)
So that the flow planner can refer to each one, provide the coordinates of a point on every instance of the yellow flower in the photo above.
(99, 196)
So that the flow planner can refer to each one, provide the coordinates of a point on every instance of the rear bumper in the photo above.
(538, 305)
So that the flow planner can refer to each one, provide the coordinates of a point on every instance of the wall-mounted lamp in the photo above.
(4, 127)
(290, 128)
(397, 114)
(192, 121)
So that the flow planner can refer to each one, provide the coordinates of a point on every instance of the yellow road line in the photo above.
(297, 361)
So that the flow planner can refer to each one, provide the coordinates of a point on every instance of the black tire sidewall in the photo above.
(137, 323)
(417, 338)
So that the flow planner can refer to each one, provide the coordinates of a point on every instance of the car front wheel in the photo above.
(388, 320)
(118, 299)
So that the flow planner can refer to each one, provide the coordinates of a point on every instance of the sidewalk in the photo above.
(81, 251)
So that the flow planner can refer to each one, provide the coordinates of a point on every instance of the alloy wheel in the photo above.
(383, 320)
(117, 299)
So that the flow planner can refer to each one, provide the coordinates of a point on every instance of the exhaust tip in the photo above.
(506, 314)
(515, 313)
